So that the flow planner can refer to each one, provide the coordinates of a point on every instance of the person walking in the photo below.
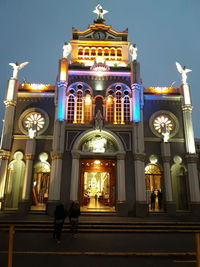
(74, 213)
(59, 218)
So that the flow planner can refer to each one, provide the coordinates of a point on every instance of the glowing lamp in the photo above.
(161, 90)
(100, 66)
(63, 70)
(88, 99)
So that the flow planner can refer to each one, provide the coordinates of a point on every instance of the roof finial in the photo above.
(100, 12)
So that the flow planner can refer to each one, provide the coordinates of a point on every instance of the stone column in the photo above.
(25, 204)
(166, 156)
(7, 133)
(4, 158)
(188, 129)
(10, 104)
(121, 205)
(193, 184)
(55, 181)
(58, 138)
(74, 189)
(139, 158)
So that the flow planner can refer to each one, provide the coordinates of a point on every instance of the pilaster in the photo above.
(166, 157)
(4, 159)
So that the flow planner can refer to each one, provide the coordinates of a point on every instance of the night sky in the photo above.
(164, 31)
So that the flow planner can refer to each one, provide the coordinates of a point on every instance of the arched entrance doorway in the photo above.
(98, 171)
(97, 185)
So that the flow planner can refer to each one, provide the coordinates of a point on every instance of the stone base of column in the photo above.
(170, 208)
(24, 207)
(122, 209)
(195, 209)
(51, 206)
(142, 209)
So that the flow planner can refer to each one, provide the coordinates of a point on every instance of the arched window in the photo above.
(80, 53)
(40, 189)
(112, 52)
(88, 108)
(106, 53)
(86, 53)
(16, 170)
(153, 186)
(79, 106)
(126, 109)
(100, 52)
(118, 107)
(93, 53)
(70, 108)
(110, 109)
(119, 53)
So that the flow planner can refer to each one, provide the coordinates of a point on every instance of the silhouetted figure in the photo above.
(59, 218)
(74, 213)
(153, 199)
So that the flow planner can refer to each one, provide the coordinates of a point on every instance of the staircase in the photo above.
(106, 226)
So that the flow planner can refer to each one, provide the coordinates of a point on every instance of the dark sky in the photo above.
(164, 31)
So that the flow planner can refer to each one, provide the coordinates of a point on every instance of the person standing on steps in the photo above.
(59, 218)
(74, 213)
(159, 195)
(153, 199)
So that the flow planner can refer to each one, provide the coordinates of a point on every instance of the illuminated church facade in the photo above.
(99, 136)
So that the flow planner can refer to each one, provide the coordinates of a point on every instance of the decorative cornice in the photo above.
(29, 156)
(136, 86)
(62, 84)
(187, 107)
(56, 155)
(140, 157)
(191, 158)
(10, 103)
(4, 154)
(166, 158)
(75, 155)
(121, 156)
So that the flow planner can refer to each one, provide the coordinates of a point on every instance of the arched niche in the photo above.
(16, 171)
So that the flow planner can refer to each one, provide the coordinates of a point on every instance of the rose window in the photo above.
(34, 119)
(163, 122)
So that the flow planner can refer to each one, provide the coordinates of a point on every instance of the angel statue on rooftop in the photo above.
(16, 67)
(67, 48)
(133, 51)
(183, 71)
(100, 12)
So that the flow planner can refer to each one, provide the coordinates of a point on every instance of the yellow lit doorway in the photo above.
(97, 185)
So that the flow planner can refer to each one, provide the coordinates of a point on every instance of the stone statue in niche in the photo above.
(165, 133)
(98, 120)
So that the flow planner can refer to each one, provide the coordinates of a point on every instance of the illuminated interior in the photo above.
(153, 184)
(97, 185)
(40, 186)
